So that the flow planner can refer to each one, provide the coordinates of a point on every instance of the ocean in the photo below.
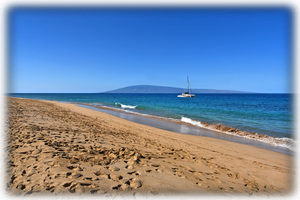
(267, 114)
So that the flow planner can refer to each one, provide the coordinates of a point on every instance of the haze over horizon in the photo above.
(93, 50)
(166, 89)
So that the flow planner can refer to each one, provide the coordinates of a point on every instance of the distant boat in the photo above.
(187, 94)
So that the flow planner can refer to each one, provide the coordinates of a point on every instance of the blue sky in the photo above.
(95, 50)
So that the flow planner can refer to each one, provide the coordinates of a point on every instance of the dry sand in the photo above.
(62, 148)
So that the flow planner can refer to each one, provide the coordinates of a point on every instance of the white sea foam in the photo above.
(282, 142)
(190, 121)
(138, 113)
(125, 106)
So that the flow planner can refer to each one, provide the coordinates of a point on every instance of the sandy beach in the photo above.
(62, 148)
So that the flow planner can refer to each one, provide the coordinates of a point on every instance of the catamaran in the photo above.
(187, 94)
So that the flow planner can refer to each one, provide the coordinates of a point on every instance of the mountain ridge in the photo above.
(166, 89)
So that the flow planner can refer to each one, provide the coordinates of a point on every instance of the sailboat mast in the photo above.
(188, 84)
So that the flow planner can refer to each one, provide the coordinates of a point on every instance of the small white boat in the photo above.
(187, 94)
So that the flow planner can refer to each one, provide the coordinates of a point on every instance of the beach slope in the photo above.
(62, 148)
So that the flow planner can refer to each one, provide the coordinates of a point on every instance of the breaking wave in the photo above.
(283, 142)
(190, 121)
(125, 106)
(276, 141)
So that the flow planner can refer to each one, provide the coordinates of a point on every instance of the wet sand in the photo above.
(185, 128)
(62, 148)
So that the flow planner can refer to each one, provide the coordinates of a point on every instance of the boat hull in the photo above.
(186, 95)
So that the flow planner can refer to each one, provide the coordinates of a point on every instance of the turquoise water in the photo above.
(268, 114)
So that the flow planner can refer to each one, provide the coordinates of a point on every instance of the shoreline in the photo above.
(258, 124)
(63, 148)
(219, 131)
(187, 128)
(282, 145)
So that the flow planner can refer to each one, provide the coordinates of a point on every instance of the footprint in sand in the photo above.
(116, 187)
(114, 169)
(136, 183)
(74, 167)
(85, 183)
(68, 174)
(101, 174)
(180, 174)
(202, 185)
(67, 184)
(155, 165)
(115, 177)
(128, 184)
(77, 175)
(134, 173)
(174, 169)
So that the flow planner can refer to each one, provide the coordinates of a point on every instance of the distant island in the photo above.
(165, 89)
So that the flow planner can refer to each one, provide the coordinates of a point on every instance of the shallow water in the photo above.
(188, 129)
(268, 114)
